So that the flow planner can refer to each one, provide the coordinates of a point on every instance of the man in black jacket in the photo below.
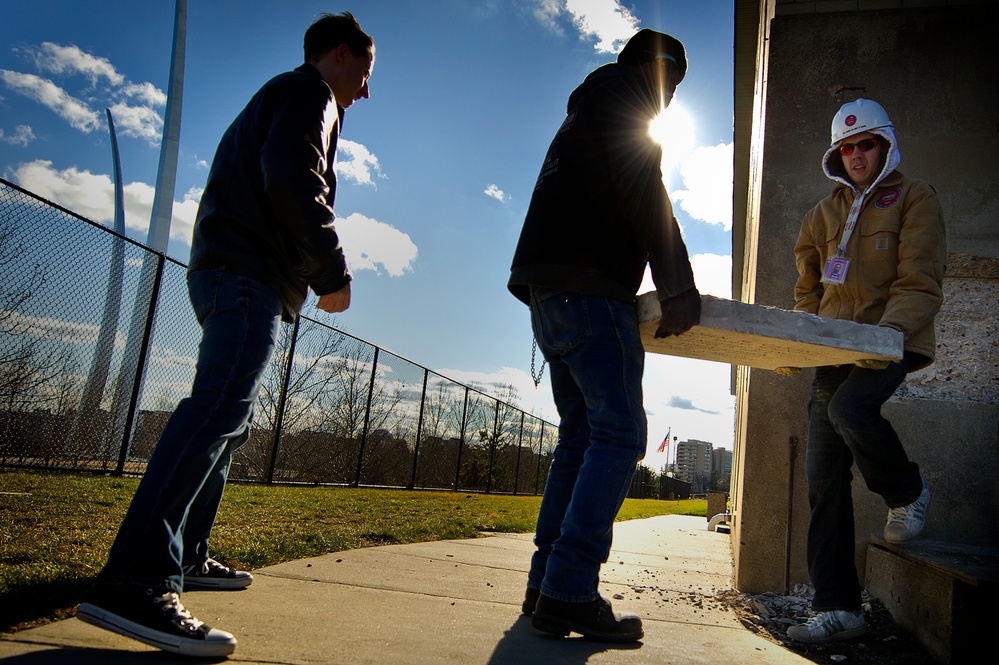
(263, 236)
(599, 214)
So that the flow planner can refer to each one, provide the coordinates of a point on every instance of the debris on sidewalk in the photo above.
(771, 614)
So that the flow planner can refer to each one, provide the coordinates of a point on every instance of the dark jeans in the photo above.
(596, 357)
(172, 513)
(845, 425)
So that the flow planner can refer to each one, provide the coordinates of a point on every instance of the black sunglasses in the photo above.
(846, 149)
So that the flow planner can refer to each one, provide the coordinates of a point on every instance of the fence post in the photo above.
(419, 428)
(367, 418)
(140, 365)
(492, 448)
(520, 448)
(461, 441)
(282, 399)
(541, 452)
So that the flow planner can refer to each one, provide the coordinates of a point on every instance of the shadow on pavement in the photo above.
(523, 645)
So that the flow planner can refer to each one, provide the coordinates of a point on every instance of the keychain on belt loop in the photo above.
(836, 266)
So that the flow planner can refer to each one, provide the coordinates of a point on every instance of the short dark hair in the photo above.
(647, 45)
(330, 30)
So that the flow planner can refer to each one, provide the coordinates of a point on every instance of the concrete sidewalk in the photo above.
(449, 602)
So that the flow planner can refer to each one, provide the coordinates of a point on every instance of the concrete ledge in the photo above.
(941, 593)
(740, 333)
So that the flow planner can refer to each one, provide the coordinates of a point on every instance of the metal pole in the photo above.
(140, 366)
(520, 448)
(792, 457)
(367, 418)
(541, 453)
(492, 448)
(461, 441)
(419, 428)
(282, 399)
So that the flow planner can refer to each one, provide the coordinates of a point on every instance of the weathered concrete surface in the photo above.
(739, 333)
(450, 602)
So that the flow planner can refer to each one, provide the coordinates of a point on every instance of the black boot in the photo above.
(530, 601)
(594, 620)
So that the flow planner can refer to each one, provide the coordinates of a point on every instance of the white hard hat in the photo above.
(859, 116)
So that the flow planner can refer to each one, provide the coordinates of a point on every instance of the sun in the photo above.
(673, 129)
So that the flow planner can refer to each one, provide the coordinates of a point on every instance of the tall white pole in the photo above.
(159, 227)
(84, 425)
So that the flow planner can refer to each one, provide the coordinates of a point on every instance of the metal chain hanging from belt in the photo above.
(536, 377)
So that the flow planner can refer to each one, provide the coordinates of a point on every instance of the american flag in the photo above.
(665, 444)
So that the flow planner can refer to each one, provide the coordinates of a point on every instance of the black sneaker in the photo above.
(213, 575)
(154, 618)
(530, 601)
(595, 620)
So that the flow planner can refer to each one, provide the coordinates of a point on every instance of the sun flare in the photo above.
(673, 129)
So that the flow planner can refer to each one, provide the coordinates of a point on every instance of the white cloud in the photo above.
(547, 13)
(359, 164)
(71, 59)
(607, 20)
(712, 274)
(49, 328)
(496, 193)
(22, 136)
(536, 400)
(138, 122)
(74, 111)
(134, 105)
(372, 245)
(707, 185)
(146, 93)
(92, 196)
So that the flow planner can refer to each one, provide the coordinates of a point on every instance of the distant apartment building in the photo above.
(721, 462)
(721, 469)
(693, 463)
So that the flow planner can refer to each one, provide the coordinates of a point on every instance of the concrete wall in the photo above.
(933, 68)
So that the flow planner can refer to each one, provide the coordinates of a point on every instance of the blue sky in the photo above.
(436, 168)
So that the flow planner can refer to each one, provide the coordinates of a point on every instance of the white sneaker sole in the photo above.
(219, 643)
(214, 583)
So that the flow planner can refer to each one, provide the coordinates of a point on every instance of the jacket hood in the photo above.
(633, 89)
(832, 165)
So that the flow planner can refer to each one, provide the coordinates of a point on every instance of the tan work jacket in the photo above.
(897, 257)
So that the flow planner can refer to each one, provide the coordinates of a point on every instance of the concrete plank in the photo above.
(739, 333)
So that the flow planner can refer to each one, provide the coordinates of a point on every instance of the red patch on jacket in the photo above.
(889, 198)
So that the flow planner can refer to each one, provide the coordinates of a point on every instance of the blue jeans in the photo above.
(171, 515)
(596, 360)
(845, 425)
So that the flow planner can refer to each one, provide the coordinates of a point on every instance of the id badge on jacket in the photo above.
(835, 270)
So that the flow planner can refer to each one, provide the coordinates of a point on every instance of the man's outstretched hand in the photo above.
(335, 302)
(679, 313)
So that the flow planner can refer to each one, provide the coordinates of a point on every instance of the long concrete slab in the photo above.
(739, 333)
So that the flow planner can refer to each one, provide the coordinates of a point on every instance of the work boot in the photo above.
(594, 620)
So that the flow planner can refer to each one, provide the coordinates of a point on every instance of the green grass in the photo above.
(56, 529)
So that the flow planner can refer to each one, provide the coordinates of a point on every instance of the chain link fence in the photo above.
(98, 344)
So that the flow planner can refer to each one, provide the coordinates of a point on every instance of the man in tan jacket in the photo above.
(873, 252)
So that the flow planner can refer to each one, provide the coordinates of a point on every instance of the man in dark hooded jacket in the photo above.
(599, 214)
